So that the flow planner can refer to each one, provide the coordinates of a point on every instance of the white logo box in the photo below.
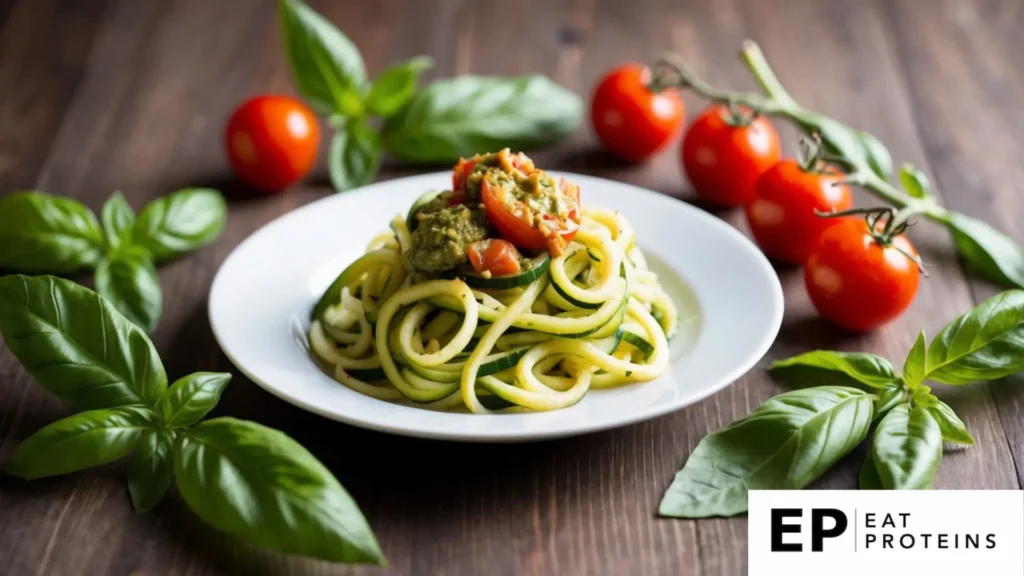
(927, 532)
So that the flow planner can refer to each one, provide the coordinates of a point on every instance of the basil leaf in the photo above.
(952, 427)
(986, 343)
(924, 398)
(128, 280)
(835, 368)
(44, 234)
(988, 250)
(76, 345)
(916, 365)
(81, 441)
(354, 157)
(461, 116)
(838, 138)
(189, 399)
(888, 398)
(786, 443)
(907, 449)
(118, 220)
(914, 181)
(326, 66)
(257, 483)
(151, 469)
(177, 224)
(869, 478)
(876, 153)
(396, 86)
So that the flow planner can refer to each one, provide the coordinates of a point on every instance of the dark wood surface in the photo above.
(129, 94)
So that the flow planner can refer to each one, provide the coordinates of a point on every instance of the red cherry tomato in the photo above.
(496, 257)
(459, 176)
(631, 121)
(520, 226)
(271, 142)
(781, 215)
(723, 160)
(857, 283)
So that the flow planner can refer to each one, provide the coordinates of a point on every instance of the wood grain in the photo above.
(134, 96)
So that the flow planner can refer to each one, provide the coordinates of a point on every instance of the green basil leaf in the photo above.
(259, 484)
(457, 117)
(952, 427)
(986, 343)
(76, 345)
(924, 398)
(118, 221)
(914, 181)
(916, 365)
(44, 234)
(876, 153)
(835, 368)
(354, 157)
(838, 138)
(785, 443)
(987, 250)
(189, 399)
(869, 478)
(907, 449)
(183, 221)
(888, 398)
(151, 469)
(128, 280)
(81, 441)
(396, 86)
(326, 66)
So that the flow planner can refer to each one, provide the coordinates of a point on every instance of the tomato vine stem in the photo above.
(671, 71)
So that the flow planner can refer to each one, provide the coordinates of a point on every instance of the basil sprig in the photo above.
(793, 438)
(241, 477)
(446, 120)
(45, 234)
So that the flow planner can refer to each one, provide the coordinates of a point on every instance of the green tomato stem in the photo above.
(758, 65)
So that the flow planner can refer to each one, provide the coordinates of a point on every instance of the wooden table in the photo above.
(129, 94)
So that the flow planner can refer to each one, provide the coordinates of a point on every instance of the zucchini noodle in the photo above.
(592, 317)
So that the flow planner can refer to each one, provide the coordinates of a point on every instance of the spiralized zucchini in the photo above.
(595, 318)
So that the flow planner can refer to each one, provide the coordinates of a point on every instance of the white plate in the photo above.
(729, 296)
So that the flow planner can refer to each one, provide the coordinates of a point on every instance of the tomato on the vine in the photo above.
(271, 141)
(782, 214)
(724, 152)
(857, 280)
(631, 121)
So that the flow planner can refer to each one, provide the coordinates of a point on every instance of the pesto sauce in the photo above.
(440, 240)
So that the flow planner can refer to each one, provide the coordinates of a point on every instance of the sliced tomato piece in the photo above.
(519, 225)
(523, 163)
(497, 257)
(459, 176)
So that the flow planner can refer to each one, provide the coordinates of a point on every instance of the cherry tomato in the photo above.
(271, 141)
(723, 159)
(459, 176)
(496, 257)
(856, 282)
(523, 228)
(462, 170)
(631, 121)
(781, 215)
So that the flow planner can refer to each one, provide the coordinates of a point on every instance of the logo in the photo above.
(816, 532)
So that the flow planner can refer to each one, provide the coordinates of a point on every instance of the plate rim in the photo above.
(748, 362)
